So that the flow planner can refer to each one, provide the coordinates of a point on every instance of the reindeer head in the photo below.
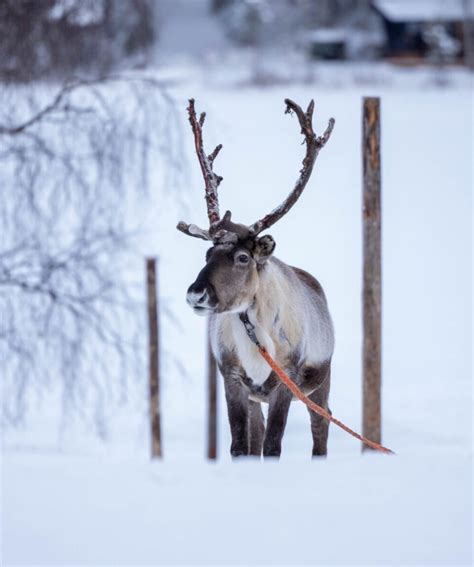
(229, 280)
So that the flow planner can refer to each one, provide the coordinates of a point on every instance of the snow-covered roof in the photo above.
(420, 10)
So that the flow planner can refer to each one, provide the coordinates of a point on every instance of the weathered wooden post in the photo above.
(372, 289)
(211, 400)
(153, 358)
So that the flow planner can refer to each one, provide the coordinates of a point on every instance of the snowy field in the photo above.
(74, 500)
(349, 510)
(69, 498)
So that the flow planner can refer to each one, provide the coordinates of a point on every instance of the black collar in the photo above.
(249, 328)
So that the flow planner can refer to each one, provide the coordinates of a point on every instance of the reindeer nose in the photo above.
(196, 297)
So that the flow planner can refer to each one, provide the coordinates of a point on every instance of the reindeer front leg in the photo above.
(238, 411)
(279, 402)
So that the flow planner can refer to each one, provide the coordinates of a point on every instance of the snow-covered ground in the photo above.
(352, 511)
(71, 499)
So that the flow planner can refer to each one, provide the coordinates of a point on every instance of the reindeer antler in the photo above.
(211, 180)
(313, 146)
(218, 226)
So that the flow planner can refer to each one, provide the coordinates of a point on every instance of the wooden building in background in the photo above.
(423, 29)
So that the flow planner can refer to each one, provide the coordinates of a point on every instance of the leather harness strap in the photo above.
(249, 327)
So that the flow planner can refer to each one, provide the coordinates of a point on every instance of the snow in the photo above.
(370, 511)
(421, 10)
(71, 499)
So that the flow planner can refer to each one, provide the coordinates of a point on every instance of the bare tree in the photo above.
(59, 37)
(69, 164)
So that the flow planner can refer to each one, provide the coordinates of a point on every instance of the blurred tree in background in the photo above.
(286, 23)
(75, 153)
(59, 37)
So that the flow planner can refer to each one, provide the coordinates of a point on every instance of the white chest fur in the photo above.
(254, 365)
(230, 332)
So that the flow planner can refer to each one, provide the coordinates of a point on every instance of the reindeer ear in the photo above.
(264, 247)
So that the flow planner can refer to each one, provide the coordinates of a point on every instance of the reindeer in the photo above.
(243, 286)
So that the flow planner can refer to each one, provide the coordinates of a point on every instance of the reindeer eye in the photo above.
(242, 258)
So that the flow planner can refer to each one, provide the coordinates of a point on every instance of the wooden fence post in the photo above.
(372, 289)
(211, 400)
(153, 358)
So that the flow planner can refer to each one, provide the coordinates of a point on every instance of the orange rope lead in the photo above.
(314, 407)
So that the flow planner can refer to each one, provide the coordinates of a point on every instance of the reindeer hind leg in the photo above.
(319, 425)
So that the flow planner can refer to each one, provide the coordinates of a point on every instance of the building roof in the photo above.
(420, 10)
